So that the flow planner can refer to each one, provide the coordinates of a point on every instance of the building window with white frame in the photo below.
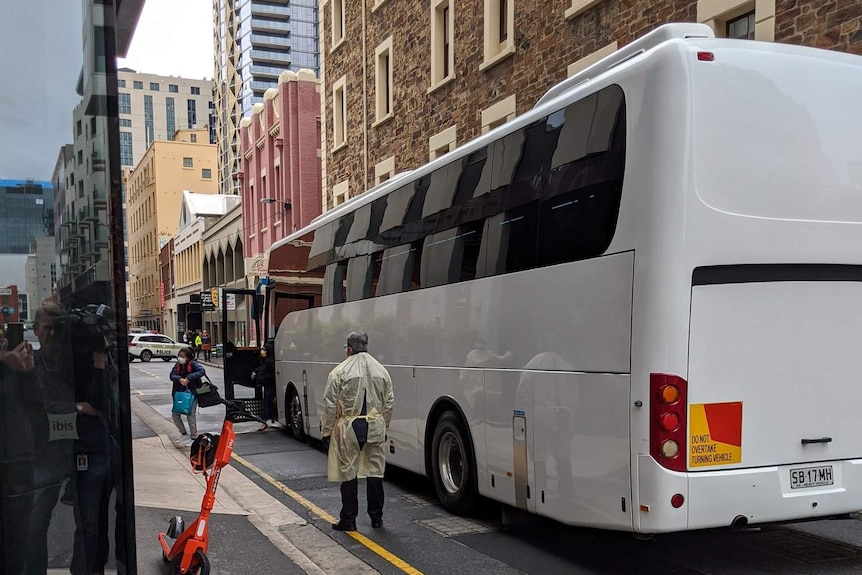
(442, 143)
(739, 19)
(383, 77)
(442, 48)
(499, 31)
(339, 112)
(338, 22)
(384, 170)
(340, 193)
(741, 27)
(579, 6)
(498, 114)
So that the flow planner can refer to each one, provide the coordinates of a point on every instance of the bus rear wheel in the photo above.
(453, 467)
(294, 415)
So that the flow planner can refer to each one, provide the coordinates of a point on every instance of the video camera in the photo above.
(88, 328)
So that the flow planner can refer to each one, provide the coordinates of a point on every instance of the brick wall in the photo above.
(545, 45)
(834, 25)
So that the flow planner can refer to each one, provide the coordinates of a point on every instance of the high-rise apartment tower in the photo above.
(255, 41)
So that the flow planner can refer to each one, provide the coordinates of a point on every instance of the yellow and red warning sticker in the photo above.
(715, 434)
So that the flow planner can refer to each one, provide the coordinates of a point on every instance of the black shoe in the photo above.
(377, 524)
(344, 526)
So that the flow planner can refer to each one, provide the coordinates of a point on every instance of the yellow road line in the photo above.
(368, 543)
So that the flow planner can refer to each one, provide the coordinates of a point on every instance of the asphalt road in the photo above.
(422, 534)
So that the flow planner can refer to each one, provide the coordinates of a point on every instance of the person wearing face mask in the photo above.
(187, 375)
(264, 376)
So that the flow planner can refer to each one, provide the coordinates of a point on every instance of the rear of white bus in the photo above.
(768, 417)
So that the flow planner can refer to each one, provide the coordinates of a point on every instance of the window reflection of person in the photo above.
(73, 442)
(54, 431)
(17, 398)
(473, 379)
(552, 403)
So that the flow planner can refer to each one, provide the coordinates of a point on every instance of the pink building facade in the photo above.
(280, 177)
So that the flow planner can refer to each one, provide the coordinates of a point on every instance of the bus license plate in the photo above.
(811, 477)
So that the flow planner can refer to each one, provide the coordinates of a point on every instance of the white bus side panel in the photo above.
(581, 423)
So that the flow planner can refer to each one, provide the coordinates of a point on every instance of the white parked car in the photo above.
(146, 346)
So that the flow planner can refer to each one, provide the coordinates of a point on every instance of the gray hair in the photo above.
(358, 341)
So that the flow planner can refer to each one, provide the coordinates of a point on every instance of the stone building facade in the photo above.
(433, 75)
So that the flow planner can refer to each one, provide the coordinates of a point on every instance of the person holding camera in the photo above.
(72, 437)
(17, 457)
(186, 376)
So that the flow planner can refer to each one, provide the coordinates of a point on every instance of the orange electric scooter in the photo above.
(186, 548)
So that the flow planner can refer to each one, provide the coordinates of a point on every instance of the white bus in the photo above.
(637, 306)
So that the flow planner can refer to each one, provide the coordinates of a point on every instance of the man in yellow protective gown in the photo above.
(357, 410)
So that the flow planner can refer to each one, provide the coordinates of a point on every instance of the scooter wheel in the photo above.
(200, 564)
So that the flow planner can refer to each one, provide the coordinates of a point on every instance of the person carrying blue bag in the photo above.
(186, 375)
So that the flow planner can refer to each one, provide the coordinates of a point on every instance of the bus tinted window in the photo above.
(545, 194)
(451, 256)
(510, 240)
(582, 198)
(334, 287)
(397, 269)
(360, 271)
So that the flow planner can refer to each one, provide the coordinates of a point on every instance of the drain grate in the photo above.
(800, 547)
(420, 500)
(454, 526)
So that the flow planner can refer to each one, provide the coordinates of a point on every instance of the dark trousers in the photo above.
(207, 354)
(350, 499)
(350, 489)
(16, 506)
(93, 491)
(268, 396)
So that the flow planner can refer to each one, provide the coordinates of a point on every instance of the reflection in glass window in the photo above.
(397, 203)
(334, 285)
(360, 276)
(510, 240)
(451, 256)
(399, 269)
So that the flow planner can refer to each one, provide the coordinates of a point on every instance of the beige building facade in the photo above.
(405, 82)
(154, 194)
(154, 107)
(224, 268)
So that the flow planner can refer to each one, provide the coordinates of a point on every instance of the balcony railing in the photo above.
(269, 71)
(272, 11)
(266, 40)
(270, 56)
(263, 25)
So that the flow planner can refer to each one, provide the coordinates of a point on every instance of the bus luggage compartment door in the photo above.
(774, 373)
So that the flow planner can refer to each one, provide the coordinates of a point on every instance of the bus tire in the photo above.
(453, 466)
(294, 415)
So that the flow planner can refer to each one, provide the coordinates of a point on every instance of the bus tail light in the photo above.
(668, 412)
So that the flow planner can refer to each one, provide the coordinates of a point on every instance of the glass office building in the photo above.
(26, 212)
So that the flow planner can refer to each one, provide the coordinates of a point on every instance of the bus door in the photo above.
(239, 311)
(273, 297)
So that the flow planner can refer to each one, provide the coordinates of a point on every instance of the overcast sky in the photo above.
(40, 43)
(173, 38)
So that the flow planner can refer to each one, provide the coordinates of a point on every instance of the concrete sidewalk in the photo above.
(251, 531)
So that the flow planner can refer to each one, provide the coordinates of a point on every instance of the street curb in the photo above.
(266, 513)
